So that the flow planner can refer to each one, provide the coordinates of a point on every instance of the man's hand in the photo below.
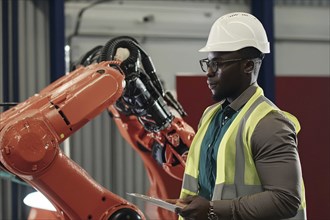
(193, 207)
(177, 202)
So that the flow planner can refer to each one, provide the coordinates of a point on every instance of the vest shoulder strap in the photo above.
(207, 110)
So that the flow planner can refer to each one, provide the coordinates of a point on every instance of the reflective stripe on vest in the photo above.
(236, 172)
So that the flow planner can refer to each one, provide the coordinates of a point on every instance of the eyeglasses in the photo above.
(214, 65)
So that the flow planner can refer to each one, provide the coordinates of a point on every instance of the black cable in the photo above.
(81, 12)
(78, 21)
(5, 104)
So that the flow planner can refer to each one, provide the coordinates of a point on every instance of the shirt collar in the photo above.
(240, 101)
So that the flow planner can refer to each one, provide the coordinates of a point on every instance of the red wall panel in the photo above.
(305, 97)
(308, 98)
(194, 96)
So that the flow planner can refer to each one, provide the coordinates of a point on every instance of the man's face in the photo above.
(226, 81)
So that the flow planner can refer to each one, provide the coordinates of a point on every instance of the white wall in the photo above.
(179, 29)
(302, 44)
(172, 38)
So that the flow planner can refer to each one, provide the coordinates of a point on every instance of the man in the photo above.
(243, 163)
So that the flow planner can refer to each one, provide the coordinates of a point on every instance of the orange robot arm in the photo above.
(149, 119)
(163, 154)
(31, 132)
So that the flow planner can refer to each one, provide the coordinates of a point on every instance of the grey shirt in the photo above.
(274, 149)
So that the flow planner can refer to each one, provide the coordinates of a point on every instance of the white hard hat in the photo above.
(235, 31)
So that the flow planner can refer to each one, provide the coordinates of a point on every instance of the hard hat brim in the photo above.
(234, 46)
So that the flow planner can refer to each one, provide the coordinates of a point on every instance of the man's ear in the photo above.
(249, 66)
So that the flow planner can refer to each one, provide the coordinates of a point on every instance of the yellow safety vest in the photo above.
(236, 172)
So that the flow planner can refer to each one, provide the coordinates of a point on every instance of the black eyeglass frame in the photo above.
(215, 67)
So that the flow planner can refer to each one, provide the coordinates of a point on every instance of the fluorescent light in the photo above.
(38, 200)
